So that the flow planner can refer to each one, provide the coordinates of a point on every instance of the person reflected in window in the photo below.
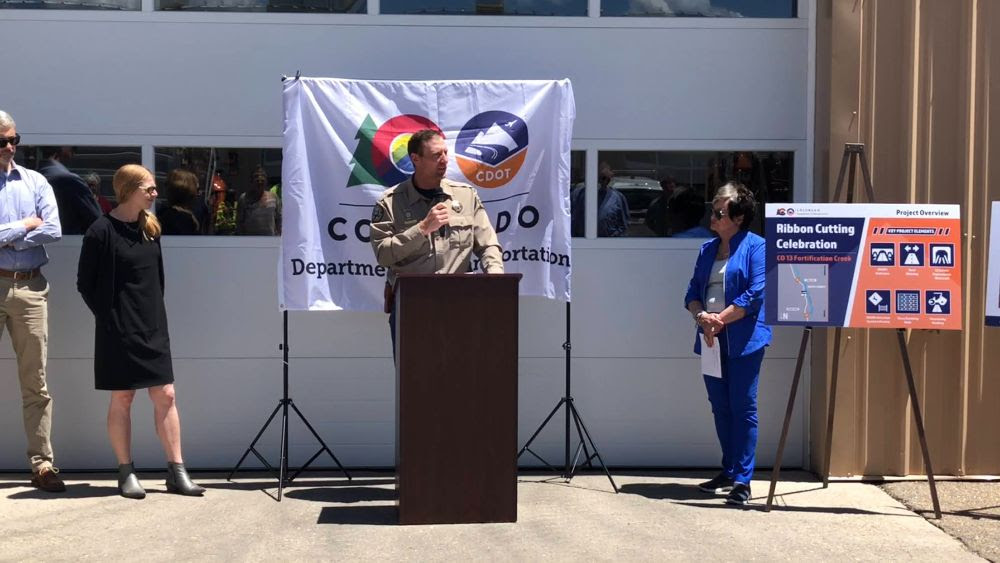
(77, 206)
(685, 213)
(93, 180)
(726, 297)
(177, 217)
(120, 276)
(221, 221)
(612, 207)
(656, 214)
(258, 211)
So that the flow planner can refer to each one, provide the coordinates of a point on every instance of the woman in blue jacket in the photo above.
(726, 298)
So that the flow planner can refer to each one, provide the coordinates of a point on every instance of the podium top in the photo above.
(516, 276)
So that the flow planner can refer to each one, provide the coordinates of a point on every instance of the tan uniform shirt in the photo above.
(399, 246)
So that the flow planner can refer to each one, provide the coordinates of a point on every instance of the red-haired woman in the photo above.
(120, 276)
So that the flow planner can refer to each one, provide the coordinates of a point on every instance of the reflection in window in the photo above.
(73, 4)
(577, 181)
(318, 6)
(701, 8)
(80, 178)
(661, 193)
(487, 7)
(219, 191)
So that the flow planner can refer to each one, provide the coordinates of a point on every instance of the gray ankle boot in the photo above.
(179, 482)
(128, 483)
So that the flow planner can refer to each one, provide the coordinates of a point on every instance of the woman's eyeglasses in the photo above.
(149, 189)
(15, 140)
(718, 213)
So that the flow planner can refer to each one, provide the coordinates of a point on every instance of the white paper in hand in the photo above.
(711, 361)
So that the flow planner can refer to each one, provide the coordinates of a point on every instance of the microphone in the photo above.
(441, 197)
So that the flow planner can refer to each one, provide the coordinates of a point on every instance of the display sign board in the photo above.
(864, 265)
(993, 273)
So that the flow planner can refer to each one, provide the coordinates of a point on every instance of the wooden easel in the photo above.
(853, 152)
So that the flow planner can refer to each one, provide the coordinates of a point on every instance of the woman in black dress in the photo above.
(120, 276)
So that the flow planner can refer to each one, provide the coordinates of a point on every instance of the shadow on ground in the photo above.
(76, 490)
(365, 515)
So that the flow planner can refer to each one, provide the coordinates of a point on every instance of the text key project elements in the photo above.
(864, 265)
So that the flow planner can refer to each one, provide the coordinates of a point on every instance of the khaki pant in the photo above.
(24, 313)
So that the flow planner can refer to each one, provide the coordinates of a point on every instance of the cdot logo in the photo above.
(491, 147)
(381, 156)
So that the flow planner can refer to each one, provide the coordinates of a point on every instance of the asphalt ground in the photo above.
(970, 510)
(659, 516)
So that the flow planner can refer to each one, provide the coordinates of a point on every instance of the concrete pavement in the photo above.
(657, 516)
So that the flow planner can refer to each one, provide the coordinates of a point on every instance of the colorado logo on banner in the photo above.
(864, 266)
(345, 142)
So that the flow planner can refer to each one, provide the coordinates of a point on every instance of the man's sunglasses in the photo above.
(15, 140)
(718, 213)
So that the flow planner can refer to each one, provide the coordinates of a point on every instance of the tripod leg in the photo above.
(576, 460)
(788, 418)
(919, 419)
(840, 177)
(283, 466)
(597, 454)
(254, 443)
(866, 176)
(833, 407)
(540, 427)
(322, 443)
(583, 445)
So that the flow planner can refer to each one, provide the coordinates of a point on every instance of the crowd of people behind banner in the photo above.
(121, 278)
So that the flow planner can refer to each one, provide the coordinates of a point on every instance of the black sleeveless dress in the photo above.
(120, 276)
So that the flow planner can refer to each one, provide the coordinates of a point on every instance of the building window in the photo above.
(219, 191)
(668, 193)
(315, 6)
(487, 7)
(701, 8)
(577, 183)
(92, 167)
(73, 4)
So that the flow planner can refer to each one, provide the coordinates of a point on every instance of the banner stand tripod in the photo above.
(853, 152)
(283, 404)
(573, 414)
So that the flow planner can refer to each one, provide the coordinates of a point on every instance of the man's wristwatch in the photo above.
(697, 316)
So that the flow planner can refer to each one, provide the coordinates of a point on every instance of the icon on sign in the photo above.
(882, 254)
(943, 255)
(877, 301)
(912, 254)
(908, 301)
(939, 302)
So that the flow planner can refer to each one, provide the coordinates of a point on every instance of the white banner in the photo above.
(345, 143)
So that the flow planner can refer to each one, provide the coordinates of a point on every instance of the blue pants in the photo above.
(734, 406)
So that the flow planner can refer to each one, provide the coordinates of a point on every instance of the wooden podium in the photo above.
(456, 398)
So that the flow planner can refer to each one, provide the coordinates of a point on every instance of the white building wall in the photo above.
(211, 79)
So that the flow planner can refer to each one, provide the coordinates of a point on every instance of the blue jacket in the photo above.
(744, 284)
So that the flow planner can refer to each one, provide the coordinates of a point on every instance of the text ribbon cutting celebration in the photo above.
(345, 142)
(864, 265)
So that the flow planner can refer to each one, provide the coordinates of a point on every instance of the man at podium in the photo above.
(430, 225)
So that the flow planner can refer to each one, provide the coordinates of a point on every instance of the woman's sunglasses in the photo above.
(15, 140)
(718, 213)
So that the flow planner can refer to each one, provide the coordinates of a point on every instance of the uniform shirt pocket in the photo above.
(460, 231)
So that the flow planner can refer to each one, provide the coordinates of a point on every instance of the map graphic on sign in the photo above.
(863, 265)
(803, 292)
